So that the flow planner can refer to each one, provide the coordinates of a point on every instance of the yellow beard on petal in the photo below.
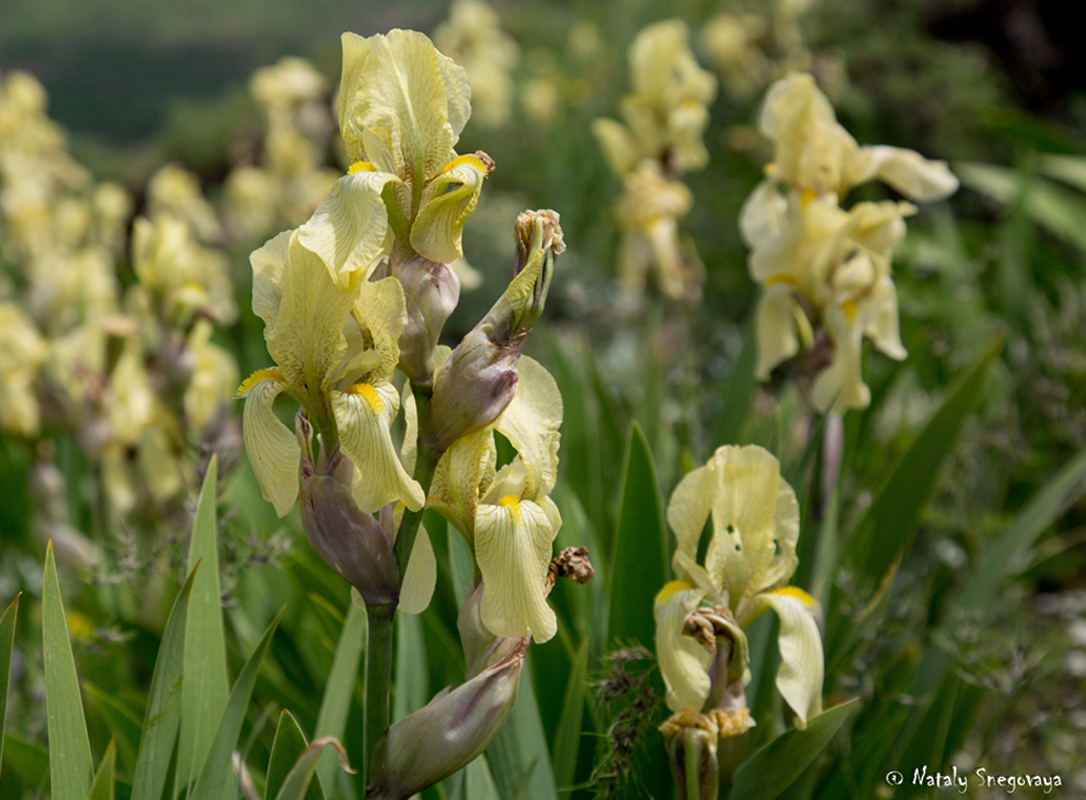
(371, 395)
(796, 592)
(669, 589)
(361, 166)
(259, 375)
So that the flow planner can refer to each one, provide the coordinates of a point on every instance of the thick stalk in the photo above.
(425, 466)
(378, 677)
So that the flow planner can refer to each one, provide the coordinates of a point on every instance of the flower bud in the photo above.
(475, 385)
(691, 741)
(432, 291)
(351, 543)
(456, 726)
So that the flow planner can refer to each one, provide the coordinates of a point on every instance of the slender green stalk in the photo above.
(379, 650)
(378, 678)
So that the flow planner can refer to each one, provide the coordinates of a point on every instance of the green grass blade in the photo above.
(71, 767)
(206, 686)
(772, 769)
(887, 524)
(738, 393)
(640, 562)
(105, 782)
(30, 762)
(297, 783)
(1001, 557)
(218, 768)
(461, 564)
(479, 782)
(7, 642)
(121, 721)
(289, 744)
(411, 689)
(567, 739)
(338, 691)
(163, 717)
(522, 766)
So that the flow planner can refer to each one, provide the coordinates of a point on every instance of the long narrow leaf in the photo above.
(288, 746)
(567, 739)
(7, 642)
(338, 691)
(772, 769)
(29, 761)
(218, 769)
(412, 683)
(206, 686)
(738, 393)
(887, 524)
(479, 782)
(163, 717)
(105, 782)
(1001, 556)
(640, 563)
(296, 785)
(71, 767)
(121, 721)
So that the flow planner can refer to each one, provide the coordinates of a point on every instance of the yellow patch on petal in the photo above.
(669, 589)
(849, 308)
(770, 169)
(361, 166)
(796, 592)
(371, 395)
(787, 280)
(474, 160)
(259, 375)
(807, 196)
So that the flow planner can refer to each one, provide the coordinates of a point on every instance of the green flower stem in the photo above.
(378, 678)
(379, 649)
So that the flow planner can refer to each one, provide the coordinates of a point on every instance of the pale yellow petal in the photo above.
(513, 543)
(775, 329)
(349, 229)
(382, 316)
(530, 422)
(408, 95)
(271, 446)
(689, 507)
(683, 662)
(364, 416)
(464, 471)
(881, 319)
(269, 274)
(619, 150)
(907, 171)
(447, 202)
(421, 576)
(841, 384)
(306, 338)
(799, 679)
(744, 496)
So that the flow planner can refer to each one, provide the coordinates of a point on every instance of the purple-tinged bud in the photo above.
(350, 542)
(454, 728)
(477, 382)
(431, 291)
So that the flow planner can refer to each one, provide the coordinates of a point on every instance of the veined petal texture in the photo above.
(683, 662)
(513, 550)
(272, 447)
(364, 414)
(800, 676)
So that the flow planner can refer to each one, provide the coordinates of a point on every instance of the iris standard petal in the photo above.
(689, 509)
(513, 543)
(364, 414)
(272, 447)
(841, 385)
(683, 662)
(881, 323)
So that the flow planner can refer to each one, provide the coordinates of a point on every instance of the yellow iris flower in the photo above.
(751, 556)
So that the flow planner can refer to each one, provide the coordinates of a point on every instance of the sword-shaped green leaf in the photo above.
(71, 767)
(7, 642)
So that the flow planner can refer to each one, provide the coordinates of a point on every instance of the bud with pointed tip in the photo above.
(477, 382)
(350, 542)
(456, 726)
